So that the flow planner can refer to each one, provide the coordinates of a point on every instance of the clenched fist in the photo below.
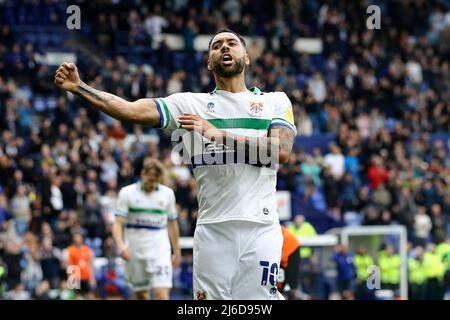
(66, 77)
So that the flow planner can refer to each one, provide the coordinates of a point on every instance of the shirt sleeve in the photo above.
(283, 115)
(170, 108)
(121, 207)
(171, 207)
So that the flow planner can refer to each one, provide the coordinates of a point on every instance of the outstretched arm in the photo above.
(142, 111)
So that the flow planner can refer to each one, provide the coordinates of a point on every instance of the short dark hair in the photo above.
(225, 30)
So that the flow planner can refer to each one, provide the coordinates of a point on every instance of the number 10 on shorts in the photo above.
(269, 273)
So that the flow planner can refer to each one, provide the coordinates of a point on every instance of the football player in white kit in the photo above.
(147, 212)
(233, 132)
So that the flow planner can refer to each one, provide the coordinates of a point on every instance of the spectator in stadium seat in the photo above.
(438, 222)
(352, 164)
(41, 84)
(184, 222)
(14, 59)
(304, 124)
(155, 23)
(381, 197)
(64, 293)
(32, 273)
(42, 291)
(335, 161)
(377, 173)
(56, 197)
(186, 273)
(80, 255)
(50, 259)
(407, 207)
(310, 168)
(21, 210)
(5, 215)
(18, 293)
(422, 227)
(24, 113)
(330, 188)
(93, 219)
(62, 237)
(349, 192)
(12, 258)
(317, 87)
(111, 282)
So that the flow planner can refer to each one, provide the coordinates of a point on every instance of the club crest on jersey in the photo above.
(202, 295)
(273, 291)
(210, 107)
(256, 108)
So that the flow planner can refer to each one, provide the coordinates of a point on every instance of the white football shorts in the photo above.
(237, 260)
(143, 275)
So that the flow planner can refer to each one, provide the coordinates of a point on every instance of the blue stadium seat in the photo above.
(179, 60)
(39, 104)
(317, 61)
(96, 245)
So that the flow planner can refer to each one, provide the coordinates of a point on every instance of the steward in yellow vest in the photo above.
(362, 263)
(302, 228)
(417, 276)
(435, 271)
(389, 264)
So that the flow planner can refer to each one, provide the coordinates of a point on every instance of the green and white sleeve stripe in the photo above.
(284, 123)
(163, 112)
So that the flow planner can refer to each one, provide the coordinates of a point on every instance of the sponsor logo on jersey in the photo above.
(266, 211)
(210, 107)
(215, 147)
(256, 108)
(202, 295)
(289, 115)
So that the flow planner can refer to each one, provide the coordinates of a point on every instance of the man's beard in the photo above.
(229, 72)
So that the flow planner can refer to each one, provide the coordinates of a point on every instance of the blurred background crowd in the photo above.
(372, 112)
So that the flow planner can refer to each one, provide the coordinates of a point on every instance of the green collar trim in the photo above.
(139, 186)
(254, 90)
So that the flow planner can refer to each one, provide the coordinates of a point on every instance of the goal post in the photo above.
(372, 237)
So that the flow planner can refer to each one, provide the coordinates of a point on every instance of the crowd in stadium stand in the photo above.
(383, 94)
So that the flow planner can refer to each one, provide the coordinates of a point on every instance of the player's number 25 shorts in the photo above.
(146, 274)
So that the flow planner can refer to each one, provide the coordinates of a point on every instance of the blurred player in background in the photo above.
(147, 210)
(238, 239)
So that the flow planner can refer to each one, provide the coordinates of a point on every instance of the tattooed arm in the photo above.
(279, 139)
(142, 111)
(286, 139)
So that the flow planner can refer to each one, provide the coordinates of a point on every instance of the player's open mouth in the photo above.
(227, 59)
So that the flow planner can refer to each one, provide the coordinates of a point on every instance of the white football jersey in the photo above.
(229, 187)
(146, 216)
